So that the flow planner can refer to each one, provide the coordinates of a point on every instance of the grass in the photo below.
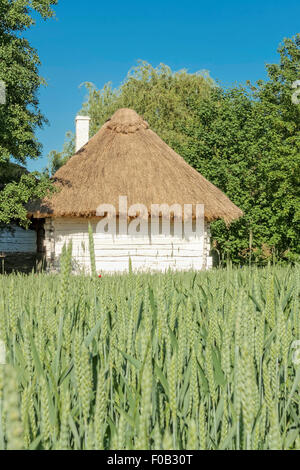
(164, 361)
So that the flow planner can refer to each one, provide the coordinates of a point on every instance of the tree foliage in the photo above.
(20, 115)
(18, 189)
(160, 95)
(57, 159)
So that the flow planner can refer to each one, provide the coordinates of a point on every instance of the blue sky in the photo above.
(99, 41)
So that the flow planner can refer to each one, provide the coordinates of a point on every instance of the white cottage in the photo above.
(127, 160)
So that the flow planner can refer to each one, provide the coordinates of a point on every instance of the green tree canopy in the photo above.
(20, 115)
(57, 159)
(162, 96)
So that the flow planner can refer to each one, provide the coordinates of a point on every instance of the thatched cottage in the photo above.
(126, 158)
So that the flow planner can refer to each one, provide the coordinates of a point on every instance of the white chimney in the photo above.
(82, 131)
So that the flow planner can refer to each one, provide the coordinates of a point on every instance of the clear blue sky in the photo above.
(99, 41)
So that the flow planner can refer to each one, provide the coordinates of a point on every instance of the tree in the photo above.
(247, 142)
(160, 95)
(268, 142)
(20, 186)
(20, 115)
(278, 122)
(163, 97)
(57, 159)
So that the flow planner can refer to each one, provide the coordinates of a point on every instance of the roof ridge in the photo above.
(126, 121)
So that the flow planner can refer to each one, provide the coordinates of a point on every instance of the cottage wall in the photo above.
(19, 240)
(113, 251)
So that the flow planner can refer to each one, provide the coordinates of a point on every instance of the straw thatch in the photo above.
(126, 158)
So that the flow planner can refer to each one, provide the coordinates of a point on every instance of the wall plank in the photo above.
(20, 240)
(158, 252)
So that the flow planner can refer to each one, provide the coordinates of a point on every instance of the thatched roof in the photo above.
(126, 158)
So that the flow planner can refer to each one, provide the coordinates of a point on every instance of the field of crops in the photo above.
(164, 361)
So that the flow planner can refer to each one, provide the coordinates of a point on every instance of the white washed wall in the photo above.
(20, 240)
(112, 252)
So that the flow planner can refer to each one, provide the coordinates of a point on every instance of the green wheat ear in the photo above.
(129, 265)
(11, 409)
(92, 251)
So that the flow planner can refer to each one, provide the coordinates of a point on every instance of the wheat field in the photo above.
(168, 361)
